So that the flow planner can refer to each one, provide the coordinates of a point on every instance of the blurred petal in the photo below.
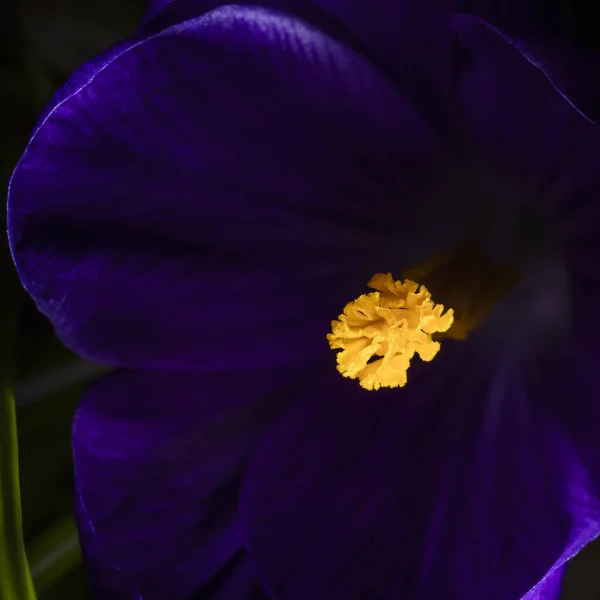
(530, 134)
(240, 173)
(158, 461)
(458, 486)
(572, 69)
(237, 581)
(409, 40)
(566, 377)
(524, 19)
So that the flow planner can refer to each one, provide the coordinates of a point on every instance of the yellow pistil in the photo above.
(380, 332)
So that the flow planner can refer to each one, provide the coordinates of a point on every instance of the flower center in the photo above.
(380, 332)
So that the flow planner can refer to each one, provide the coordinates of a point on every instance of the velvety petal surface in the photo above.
(159, 459)
(217, 193)
(408, 40)
(459, 486)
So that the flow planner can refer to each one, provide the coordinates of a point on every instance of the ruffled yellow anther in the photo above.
(380, 332)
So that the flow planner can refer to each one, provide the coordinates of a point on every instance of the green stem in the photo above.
(15, 582)
(54, 553)
(15, 578)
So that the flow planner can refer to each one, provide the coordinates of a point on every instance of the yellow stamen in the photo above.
(380, 332)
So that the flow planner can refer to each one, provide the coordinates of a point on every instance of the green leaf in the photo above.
(16, 582)
(15, 578)
(55, 553)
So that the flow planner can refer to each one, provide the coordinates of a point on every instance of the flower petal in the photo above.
(548, 589)
(572, 69)
(237, 174)
(158, 459)
(457, 487)
(237, 581)
(541, 141)
(409, 40)
(567, 377)
(534, 138)
(522, 125)
(523, 20)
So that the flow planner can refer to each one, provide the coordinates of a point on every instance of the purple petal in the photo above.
(548, 589)
(538, 139)
(566, 376)
(532, 136)
(237, 581)
(524, 19)
(572, 69)
(237, 174)
(459, 486)
(158, 459)
(408, 40)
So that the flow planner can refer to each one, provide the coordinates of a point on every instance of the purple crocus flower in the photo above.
(198, 205)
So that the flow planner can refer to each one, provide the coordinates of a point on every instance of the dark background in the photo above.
(41, 43)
